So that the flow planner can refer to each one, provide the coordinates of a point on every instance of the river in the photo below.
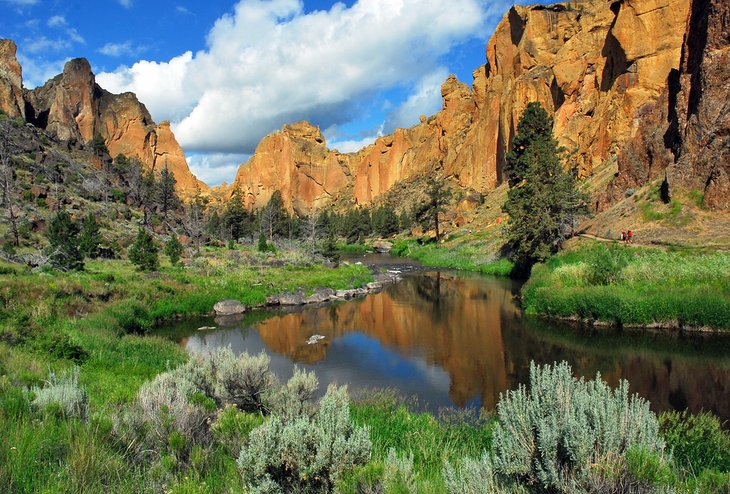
(458, 339)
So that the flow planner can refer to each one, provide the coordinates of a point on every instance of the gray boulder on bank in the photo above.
(229, 308)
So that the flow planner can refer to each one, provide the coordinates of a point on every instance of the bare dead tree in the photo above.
(267, 220)
(311, 231)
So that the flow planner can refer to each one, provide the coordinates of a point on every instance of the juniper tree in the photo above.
(237, 220)
(543, 201)
(437, 197)
(90, 237)
(143, 253)
(168, 200)
(63, 236)
(174, 249)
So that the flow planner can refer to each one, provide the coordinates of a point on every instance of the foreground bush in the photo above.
(173, 412)
(556, 436)
(62, 395)
(305, 454)
(697, 441)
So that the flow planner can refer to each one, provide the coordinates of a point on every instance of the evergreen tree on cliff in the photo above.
(543, 201)
(167, 197)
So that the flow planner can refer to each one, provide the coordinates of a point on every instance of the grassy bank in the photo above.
(633, 286)
(464, 256)
(100, 321)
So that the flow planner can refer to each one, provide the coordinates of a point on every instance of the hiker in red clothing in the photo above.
(629, 235)
(623, 236)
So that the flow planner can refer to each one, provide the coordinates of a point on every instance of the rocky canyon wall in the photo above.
(73, 108)
(597, 66)
(685, 136)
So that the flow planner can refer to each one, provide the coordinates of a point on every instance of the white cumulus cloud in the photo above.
(215, 168)
(424, 100)
(268, 63)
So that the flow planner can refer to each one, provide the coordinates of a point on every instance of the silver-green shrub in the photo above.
(549, 436)
(166, 418)
(305, 454)
(473, 476)
(242, 381)
(62, 394)
(296, 398)
(173, 412)
(398, 474)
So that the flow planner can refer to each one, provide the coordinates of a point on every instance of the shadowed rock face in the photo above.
(595, 65)
(685, 135)
(72, 107)
(11, 81)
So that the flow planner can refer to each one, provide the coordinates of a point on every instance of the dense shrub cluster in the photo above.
(305, 454)
(283, 440)
(557, 435)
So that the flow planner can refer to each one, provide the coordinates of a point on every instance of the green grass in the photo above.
(464, 256)
(105, 315)
(431, 441)
(355, 248)
(633, 286)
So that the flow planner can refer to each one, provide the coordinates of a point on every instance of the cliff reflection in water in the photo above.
(461, 340)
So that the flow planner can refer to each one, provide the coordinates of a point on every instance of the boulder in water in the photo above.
(229, 308)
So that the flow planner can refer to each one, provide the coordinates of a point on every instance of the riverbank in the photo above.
(100, 320)
(462, 256)
(633, 286)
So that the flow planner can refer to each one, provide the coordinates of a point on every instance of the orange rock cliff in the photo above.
(595, 65)
(640, 85)
(72, 107)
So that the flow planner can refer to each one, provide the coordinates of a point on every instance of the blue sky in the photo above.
(226, 73)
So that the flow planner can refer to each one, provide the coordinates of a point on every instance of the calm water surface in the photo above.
(460, 340)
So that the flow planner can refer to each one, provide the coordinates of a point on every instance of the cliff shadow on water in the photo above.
(461, 340)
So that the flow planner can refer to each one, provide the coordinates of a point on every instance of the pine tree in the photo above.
(174, 249)
(387, 221)
(534, 126)
(274, 217)
(148, 194)
(438, 197)
(543, 201)
(263, 246)
(63, 235)
(90, 238)
(168, 200)
(143, 253)
(236, 220)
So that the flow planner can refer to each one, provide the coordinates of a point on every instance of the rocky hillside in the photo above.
(599, 67)
(73, 108)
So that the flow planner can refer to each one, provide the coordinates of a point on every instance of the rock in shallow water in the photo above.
(229, 308)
